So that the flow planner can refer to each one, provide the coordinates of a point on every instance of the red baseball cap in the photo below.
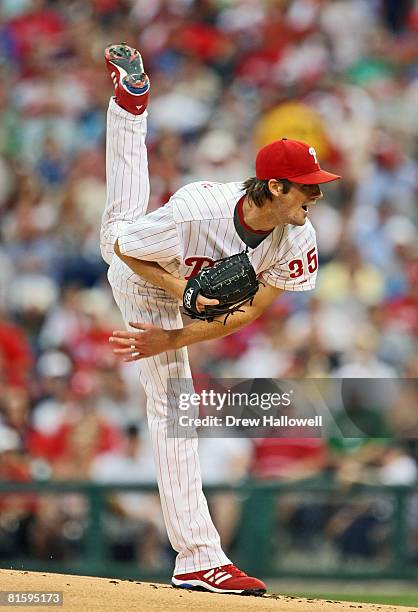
(292, 160)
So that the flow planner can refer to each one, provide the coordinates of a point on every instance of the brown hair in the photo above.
(258, 190)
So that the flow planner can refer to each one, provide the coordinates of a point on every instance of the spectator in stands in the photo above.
(133, 522)
(15, 353)
(16, 510)
(224, 461)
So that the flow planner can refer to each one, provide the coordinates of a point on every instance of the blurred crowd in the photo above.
(227, 76)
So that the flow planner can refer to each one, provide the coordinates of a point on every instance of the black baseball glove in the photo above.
(231, 280)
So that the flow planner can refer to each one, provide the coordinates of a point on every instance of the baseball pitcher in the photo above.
(223, 251)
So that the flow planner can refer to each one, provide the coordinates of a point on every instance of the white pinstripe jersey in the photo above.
(195, 228)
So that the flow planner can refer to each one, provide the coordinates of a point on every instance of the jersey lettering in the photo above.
(197, 262)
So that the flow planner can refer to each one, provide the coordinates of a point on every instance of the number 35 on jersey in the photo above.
(308, 264)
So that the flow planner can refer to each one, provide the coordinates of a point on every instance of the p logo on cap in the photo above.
(313, 153)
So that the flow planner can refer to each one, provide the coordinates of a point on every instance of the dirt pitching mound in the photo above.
(84, 593)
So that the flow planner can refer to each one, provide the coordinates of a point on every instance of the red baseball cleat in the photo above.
(126, 70)
(225, 579)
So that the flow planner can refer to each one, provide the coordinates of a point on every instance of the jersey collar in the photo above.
(249, 236)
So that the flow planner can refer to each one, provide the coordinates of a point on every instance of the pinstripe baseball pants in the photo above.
(186, 515)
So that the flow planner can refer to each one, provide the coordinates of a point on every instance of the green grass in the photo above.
(401, 599)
